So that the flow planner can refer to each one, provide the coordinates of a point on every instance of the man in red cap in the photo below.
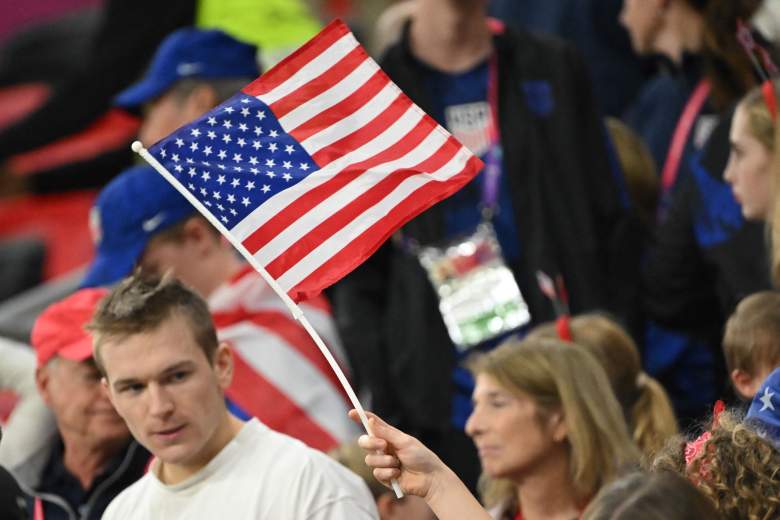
(94, 457)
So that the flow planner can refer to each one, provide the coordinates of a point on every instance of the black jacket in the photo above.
(569, 215)
(125, 468)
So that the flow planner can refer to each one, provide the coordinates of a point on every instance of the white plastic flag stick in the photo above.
(296, 311)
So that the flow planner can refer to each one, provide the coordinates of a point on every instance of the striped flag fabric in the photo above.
(313, 165)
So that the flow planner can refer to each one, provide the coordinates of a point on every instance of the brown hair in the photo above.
(351, 456)
(646, 406)
(141, 303)
(752, 337)
(738, 471)
(558, 377)
(727, 66)
(651, 496)
(639, 168)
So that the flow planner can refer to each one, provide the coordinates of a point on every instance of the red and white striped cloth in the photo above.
(280, 376)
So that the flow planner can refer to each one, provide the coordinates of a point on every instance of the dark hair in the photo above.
(726, 64)
(651, 496)
(141, 303)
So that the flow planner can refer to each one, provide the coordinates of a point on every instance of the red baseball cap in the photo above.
(59, 330)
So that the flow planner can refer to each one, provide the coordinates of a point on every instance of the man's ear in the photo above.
(223, 365)
(43, 382)
(744, 383)
(199, 233)
(202, 99)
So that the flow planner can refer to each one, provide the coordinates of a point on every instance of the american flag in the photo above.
(315, 164)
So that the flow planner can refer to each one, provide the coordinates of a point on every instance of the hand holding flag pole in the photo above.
(294, 309)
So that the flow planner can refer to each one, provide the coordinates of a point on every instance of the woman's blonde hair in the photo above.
(738, 471)
(762, 127)
(558, 377)
(646, 406)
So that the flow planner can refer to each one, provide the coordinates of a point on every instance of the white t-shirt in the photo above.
(260, 474)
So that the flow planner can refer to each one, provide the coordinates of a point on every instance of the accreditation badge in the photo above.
(479, 298)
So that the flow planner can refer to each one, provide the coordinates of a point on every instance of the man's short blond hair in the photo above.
(141, 303)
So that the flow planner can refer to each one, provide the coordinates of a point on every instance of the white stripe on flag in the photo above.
(284, 198)
(352, 191)
(307, 387)
(338, 92)
(317, 66)
(352, 122)
(338, 241)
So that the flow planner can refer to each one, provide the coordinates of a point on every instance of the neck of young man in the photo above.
(175, 473)
(86, 460)
(683, 32)
(547, 493)
(451, 35)
(223, 266)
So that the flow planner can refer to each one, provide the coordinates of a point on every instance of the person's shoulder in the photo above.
(125, 505)
(295, 460)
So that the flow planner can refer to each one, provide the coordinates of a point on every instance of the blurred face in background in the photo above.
(511, 435)
(642, 19)
(749, 169)
(72, 390)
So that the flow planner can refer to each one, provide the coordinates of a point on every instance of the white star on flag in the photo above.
(766, 400)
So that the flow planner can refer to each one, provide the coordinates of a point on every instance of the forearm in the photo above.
(449, 498)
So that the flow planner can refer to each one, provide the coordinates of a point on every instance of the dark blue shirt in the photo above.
(122, 470)
(462, 211)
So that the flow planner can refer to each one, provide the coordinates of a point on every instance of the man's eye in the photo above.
(179, 376)
(132, 389)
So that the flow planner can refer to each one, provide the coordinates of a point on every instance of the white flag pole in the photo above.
(296, 311)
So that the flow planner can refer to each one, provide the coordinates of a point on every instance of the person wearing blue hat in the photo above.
(139, 220)
(192, 72)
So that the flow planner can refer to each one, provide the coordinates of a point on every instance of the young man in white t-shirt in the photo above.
(166, 374)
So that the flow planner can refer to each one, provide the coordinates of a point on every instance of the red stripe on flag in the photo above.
(321, 304)
(286, 68)
(358, 206)
(290, 332)
(265, 233)
(320, 84)
(337, 112)
(363, 134)
(260, 398)
(354, 253)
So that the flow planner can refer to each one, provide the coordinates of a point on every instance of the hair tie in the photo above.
(768, 90)
(762, 64)
(563, 327)
(641, 379)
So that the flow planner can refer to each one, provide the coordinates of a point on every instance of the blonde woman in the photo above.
(753, 167)
(548, 429)
(646, 406)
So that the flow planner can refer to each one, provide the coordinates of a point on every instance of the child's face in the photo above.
(747, 384)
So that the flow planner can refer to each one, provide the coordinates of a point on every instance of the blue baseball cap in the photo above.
(192, 53)
(135, 206)
(764, 413)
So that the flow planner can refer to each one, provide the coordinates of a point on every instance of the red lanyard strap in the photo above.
(681, 133)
